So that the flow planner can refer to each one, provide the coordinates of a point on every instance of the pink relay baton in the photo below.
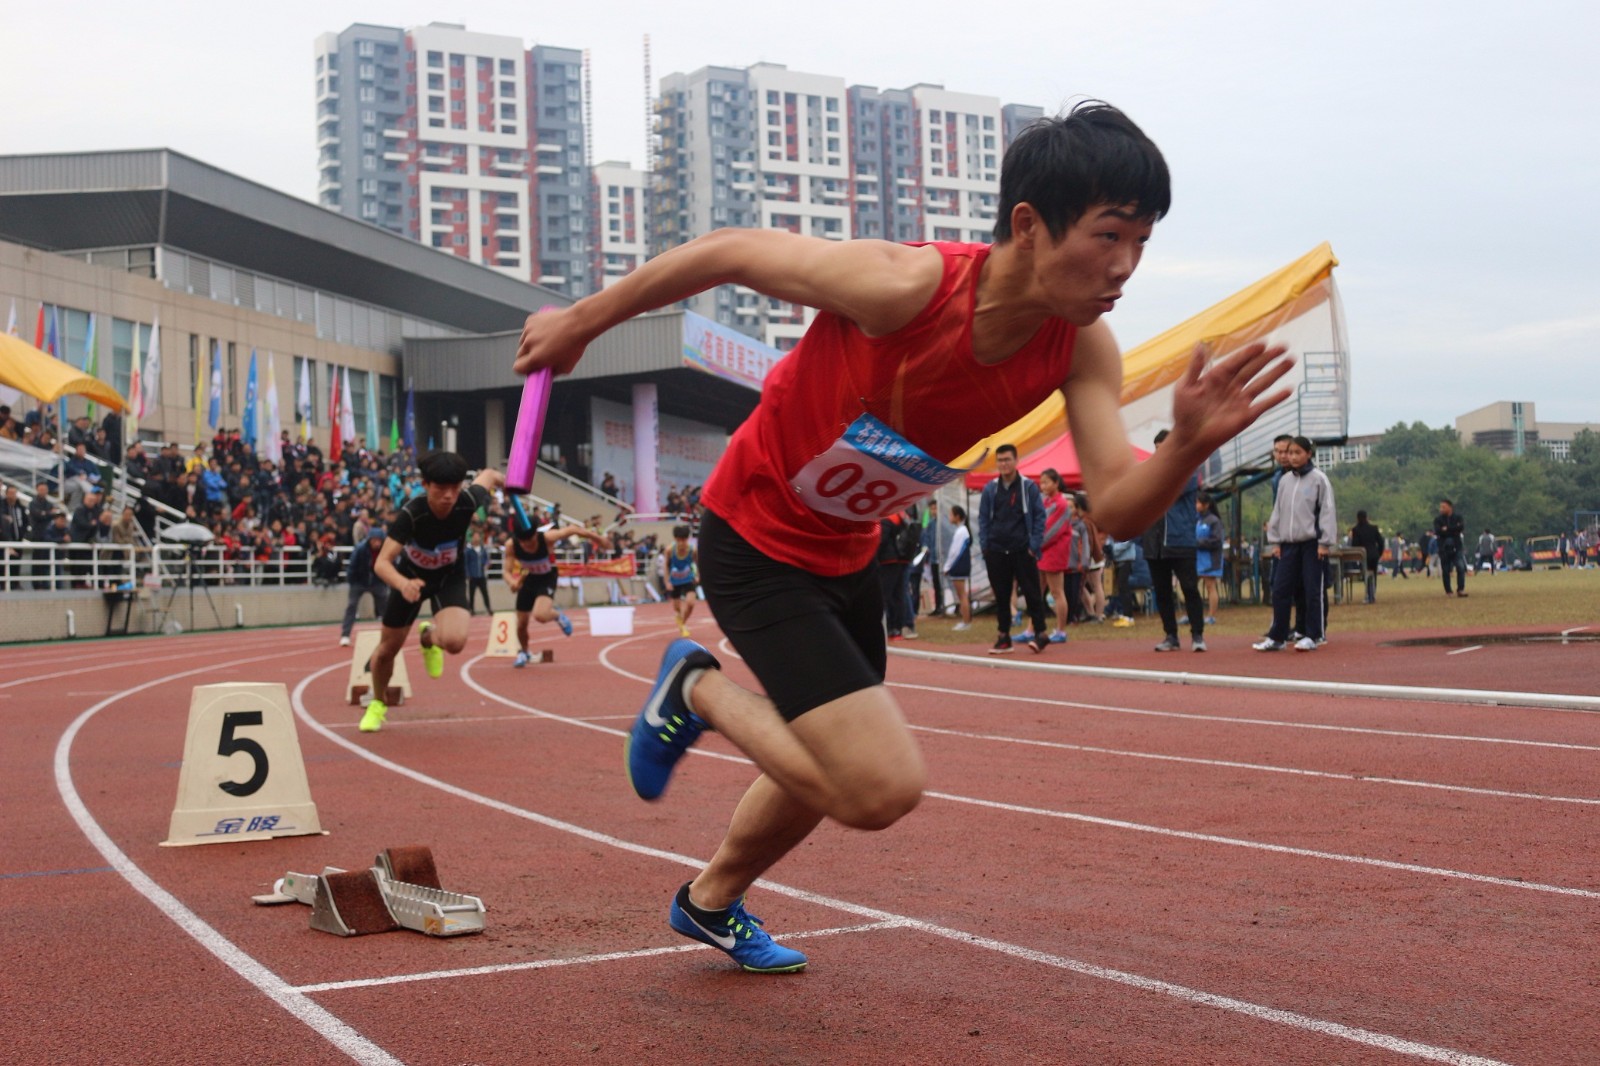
(524, 457)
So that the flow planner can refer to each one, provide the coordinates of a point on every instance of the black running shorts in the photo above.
(447, 590)
(534, 586)
(809, 640)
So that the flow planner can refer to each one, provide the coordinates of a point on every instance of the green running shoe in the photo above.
(432, 654)
(372, 721)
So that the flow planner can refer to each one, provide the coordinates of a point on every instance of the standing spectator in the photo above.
(1169, 549)
(1057, 548)
(125, 532)
(1398, 551)
(1448, 530)
(84, 530)
(477, 557)
(1301, 533)
(1430, 551)
(1208, 555)
(14, 527)
(1365, 535)
(364, 581)
(958, 567)
(930, 545)
(898, 541)
(1011, 534)
(1486, 550)
(55, 533)
(1094, 589)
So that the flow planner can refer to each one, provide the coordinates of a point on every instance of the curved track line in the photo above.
(1148, 984)
(1543, 700)
(319, 1020)
(1238, 842)
(1194, 760)
(80, 668)
(1233, 720)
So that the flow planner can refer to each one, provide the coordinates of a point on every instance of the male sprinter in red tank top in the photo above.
(918, 352)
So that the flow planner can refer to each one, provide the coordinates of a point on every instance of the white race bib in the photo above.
(870, 473)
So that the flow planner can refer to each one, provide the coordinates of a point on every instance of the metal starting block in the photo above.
(400, 891)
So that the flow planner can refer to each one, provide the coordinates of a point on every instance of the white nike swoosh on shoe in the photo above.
(725, 942)
(652, 710)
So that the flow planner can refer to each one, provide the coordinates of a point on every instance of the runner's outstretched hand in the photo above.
(1214, 401)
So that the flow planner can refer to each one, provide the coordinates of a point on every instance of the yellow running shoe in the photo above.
(372, 721)
(683, 627)
(432, 654)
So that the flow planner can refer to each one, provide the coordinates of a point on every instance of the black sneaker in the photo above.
(1039, 642)
(1001, 646)
(1170, 644)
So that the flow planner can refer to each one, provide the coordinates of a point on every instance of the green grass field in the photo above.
(1555, 598)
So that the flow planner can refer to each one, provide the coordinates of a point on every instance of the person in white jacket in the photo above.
(1302, 531)
(958, 566)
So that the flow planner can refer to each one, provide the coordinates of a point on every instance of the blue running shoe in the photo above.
(564, 622)
(665, 727)
(739, 933)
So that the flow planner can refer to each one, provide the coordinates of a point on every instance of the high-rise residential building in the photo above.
(464, 141)
(621, 228)
(773, 148)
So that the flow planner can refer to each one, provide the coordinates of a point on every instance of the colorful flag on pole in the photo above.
(135, 389)
(247, 432)
(335, 426)
(8, 395)
(274, 443)
(50, 337)
(91, 360)
(347, 411)
(410, 435)
(215, 412)
(394, 435)
(302, 400)
(373, 440)
(150, 397)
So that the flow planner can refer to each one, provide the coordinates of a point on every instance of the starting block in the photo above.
(360, 682)
(502, 635)
(242, 777)
(400, 891)
(541, 655)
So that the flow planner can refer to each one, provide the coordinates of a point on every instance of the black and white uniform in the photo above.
(433, 549)
(538, 569)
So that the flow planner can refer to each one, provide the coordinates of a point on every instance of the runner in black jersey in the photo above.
(423, 560)
(530, 570)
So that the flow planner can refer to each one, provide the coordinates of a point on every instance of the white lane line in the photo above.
(1278, 849)
(1550, 701)
(1463, 651)
(1574, 629)
(1234, 720)
(577, 960)
(119, 664)
(1259, 767)
(1148, 984)
(319, 1020)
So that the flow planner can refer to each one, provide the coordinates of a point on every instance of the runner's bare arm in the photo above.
(384, 567)
(489, 478)
(876, 284)
(1210, 405)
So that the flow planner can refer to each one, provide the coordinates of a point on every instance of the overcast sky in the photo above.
(1449, 151)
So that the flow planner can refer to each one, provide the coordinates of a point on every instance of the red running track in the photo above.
(1104, 871)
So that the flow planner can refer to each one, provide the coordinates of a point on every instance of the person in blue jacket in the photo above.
(1169, 548)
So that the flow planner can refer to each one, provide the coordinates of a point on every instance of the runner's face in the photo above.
(442, 498)
(1083, 273)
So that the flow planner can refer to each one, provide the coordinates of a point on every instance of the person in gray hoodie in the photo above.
(1302, 531)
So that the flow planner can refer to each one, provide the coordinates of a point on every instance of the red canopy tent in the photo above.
(1059, 454)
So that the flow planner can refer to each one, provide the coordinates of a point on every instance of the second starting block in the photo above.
(360, 682)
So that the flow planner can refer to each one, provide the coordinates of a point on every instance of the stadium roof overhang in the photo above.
(90, 200)
(646, 349)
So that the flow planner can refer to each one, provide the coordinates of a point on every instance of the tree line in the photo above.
(1413, 467)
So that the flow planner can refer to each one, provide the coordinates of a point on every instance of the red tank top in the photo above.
(922, 382)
